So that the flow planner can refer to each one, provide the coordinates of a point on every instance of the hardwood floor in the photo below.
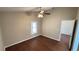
(39, 43)
(65, 39)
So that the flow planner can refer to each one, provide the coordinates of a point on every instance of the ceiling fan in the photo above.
(42, 13)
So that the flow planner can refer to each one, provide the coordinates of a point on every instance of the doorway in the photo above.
(66, 32)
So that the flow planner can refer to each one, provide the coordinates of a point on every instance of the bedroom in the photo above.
(22, 30)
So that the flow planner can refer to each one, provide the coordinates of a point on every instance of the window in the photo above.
(34, 27)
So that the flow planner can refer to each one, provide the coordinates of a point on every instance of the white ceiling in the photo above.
(23, 8)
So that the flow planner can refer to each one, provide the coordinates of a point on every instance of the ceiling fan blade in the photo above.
(42, 11)
(47, 13)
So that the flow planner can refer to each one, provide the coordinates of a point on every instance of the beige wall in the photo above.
(16, 27)
(51, 24)
(1, 42)
(77, 17)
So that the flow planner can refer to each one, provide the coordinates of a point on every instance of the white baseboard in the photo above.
(52, 38)
(21, 41)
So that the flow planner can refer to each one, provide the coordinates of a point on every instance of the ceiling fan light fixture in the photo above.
(40, 16)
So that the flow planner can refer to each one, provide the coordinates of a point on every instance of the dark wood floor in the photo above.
(39, 43)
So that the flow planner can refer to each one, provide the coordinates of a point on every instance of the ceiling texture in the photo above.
(26, 9)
